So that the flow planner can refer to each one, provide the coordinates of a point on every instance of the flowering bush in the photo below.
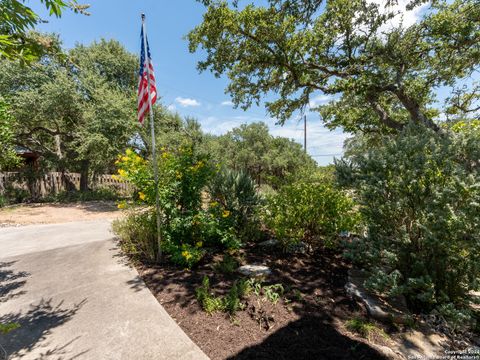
(188, 224)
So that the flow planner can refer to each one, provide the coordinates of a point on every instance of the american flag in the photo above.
(145, 62)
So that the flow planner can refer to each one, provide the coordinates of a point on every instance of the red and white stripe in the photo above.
(143, 103)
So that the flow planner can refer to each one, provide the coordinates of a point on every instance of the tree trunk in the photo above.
(415, 112)
(84, 175)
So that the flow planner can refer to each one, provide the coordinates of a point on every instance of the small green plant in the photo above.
(232, 300)
(256, 286)
(228, 265)
(209, 303)
(244, 288)
(364, 328)
(273, 293)
(230, 303)
(6, 328)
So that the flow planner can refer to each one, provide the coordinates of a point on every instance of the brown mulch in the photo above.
(306, 326)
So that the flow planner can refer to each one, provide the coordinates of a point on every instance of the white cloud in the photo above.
(172, 108)
(186, 102)
(403, 16)
(319, 100)
(226, 103)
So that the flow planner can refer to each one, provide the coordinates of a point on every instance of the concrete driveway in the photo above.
(75, 298)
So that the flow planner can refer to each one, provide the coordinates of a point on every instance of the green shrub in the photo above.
(187, 223)
(310, 212)
(137, 235)
(236, 192)
(420, 194)
(101, 194)
(15, 195)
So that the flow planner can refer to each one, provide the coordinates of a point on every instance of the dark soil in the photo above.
(307, 323)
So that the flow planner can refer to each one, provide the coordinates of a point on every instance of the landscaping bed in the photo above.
(307, 322)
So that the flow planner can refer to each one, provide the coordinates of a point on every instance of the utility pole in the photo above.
(305, 132)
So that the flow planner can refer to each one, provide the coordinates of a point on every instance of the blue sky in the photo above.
(180, 85)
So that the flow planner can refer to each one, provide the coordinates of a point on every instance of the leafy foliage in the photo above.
(378, 75)
(7, 149)
(252, 149)
(84, 107)
(208, 302)
(230, 303)
(137, 235)
(420, 195)
(187, 225)
(17, 19)
(236, 193)
(311, 212)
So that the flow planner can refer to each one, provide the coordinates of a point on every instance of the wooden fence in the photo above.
(56, 182)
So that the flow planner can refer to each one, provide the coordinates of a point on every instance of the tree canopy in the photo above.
(16, 22)
(266, 158)
(379, 73)
(84, 106)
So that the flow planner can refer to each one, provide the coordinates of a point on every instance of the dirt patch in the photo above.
(25, 214)
(307, 323)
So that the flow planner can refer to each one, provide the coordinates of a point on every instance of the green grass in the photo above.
(364, 328)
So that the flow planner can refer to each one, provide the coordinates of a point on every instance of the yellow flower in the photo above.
(122, 205)
(199, 244)
(165, 155)
(122, 172)
(186, 255)
(124, 158)
(141, 195)
(226, 213)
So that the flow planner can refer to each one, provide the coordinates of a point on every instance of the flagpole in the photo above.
(154, 151)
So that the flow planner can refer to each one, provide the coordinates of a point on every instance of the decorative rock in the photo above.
(299, 248)
(392, 311)
(254, 270)
(269, 243)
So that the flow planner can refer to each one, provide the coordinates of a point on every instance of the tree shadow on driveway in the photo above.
(11, 281)
(35, 326)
